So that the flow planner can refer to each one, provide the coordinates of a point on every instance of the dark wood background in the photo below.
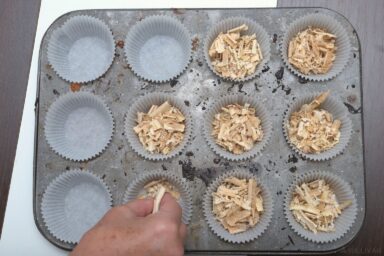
(18, 20)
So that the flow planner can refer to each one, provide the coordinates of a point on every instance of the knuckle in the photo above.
(166, 227)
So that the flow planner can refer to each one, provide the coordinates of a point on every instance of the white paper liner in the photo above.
(137, 185)
(337, 110)
(262, 38)
(143, 104)
(79, 126)
(158, 48)
(251, 233)
(82, 49)
(343, 192)
(73, 203)
(241, 99)
(319, 20)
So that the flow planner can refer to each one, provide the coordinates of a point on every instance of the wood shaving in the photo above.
(151, 189)
(315, 206)
(234, 55)
(313, 130)
(236, 128)
(237, 204)
(159, 195)
(161, 129)
(312, 51)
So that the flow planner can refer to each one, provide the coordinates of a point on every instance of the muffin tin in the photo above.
(277, 165)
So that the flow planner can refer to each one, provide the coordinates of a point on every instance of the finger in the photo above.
(183, 231)
(140, 207)
(170, 207)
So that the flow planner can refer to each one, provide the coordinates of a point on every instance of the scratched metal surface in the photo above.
(198, 86)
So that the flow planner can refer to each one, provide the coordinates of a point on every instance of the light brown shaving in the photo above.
(152, 189)
(234, 55)
(313, 130)
(314, 205)
(237, 204)
(237, 128)
(159, 195)
(162, 129)
(312, 51)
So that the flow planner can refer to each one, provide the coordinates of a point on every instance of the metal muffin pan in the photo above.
(277, 165)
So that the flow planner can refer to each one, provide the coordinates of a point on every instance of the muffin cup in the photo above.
(260, 113)
(73, 203)
(343, 192)
(337, 110)
(158, 48)
(262, 38)
(250, 234)
(143, 104)
(319, 20)
(79, 126)
(82, 49)
(137, 186)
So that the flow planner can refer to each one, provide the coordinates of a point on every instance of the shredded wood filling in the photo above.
(236, 128)
(161, 129)
(156, 189)
(237, 204)
(153, 187)
(312, 51)
(313, 130)
(234, 55)
(315, 206)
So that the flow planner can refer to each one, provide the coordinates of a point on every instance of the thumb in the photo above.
(170, 207)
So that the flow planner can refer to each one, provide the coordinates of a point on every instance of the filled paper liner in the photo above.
(158, 48)
(78, 126)
(240, 99)
(73, 203)
(136, 187)
(331, 25)
(143, 104)
(82, 49)
(262, 38)
(253, 232)
(343, 192)
(337, 110)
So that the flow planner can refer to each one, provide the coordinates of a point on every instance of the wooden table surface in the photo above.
(18, 20)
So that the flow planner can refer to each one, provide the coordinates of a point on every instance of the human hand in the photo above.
(131, 229)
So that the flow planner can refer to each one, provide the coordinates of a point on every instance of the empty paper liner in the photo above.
(158, 48)
(78, 126)
(82, 49)
(73, 203)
